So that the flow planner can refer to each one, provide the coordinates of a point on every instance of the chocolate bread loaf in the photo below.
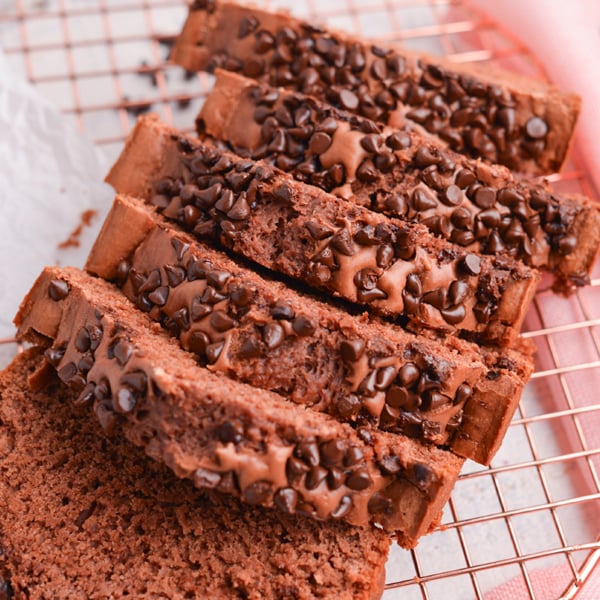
(263, 333)
(224, 434)
(402, 174)
(87, 516)
(518, 122)
(392, 267)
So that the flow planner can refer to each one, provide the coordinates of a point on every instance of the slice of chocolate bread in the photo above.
(402, 174)
(224, 434)
(263, 333)
(518, 122)
(390, 266)
(86, 516)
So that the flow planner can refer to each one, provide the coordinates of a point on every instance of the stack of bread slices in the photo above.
(308, 315)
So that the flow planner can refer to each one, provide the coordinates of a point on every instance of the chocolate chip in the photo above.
(359, 480)
(409, 374)
(465, 178)
(85, 397)
(352, 350)
(397, 397)
(54, 355)
(494, 245)
(328, 125)
(286, 499)
(421, 201)
(314, 477)
(212, 296)
(123, 351)
(58, 289)
(273, 335)
(82, 340)
(348, 406)
(536, 128)
(284, 193)
(343, 508)
(332, 452)
(348, 100)
(384, 377)
(213, 351)
(485, 197)
(240, 210)
(366, 296)
(367, 171)
(372, 143)
(124, 402)
(159, 296)
(318, 230)
(203, 478)
(343, 243)
(482, 312)
(319, 142)
(309, 451)
(258, 492)
(462, 238)
(304, 326)
(283, 312)
(86, 362)
(136, 380)
(471, 264)
(253, 68)
(230, 432)
(454, 314)
(398, 141)
(463, 393)
(452, 195)
(152, 281)
(221, 321)
(175, 275)
(379, 503)
(567, 245)
(436, 298)
(217, 278)
(385, 256)
(181, 318)
(67, 372)
(423, 475)
(366, 279)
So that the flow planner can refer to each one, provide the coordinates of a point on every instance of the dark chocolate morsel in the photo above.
(286, 500)
(471, 264)
(343, 508)
(352, 350)
(203, 478)
(58, 289)
(258, 492)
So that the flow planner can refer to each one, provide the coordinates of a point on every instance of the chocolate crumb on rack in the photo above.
(481, 207)
(224, 434)
(90, 516)
(518, 122)
(261, 332)
(392, 267)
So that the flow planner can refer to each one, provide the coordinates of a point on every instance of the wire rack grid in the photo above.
(529, 525)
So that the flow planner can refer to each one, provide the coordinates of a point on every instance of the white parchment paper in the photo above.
(50, 175)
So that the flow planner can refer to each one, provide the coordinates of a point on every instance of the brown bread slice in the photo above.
(402, 174)
(392, 267)
(221, 433)
(522, 123)
(84, 516)
(261, 332)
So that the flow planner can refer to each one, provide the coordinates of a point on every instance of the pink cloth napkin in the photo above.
(565, 35)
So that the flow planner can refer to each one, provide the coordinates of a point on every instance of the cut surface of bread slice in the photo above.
(86, 517)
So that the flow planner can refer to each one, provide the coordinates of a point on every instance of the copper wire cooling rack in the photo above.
(533, 517)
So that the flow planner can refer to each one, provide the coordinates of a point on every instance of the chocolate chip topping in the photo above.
(58, 290)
